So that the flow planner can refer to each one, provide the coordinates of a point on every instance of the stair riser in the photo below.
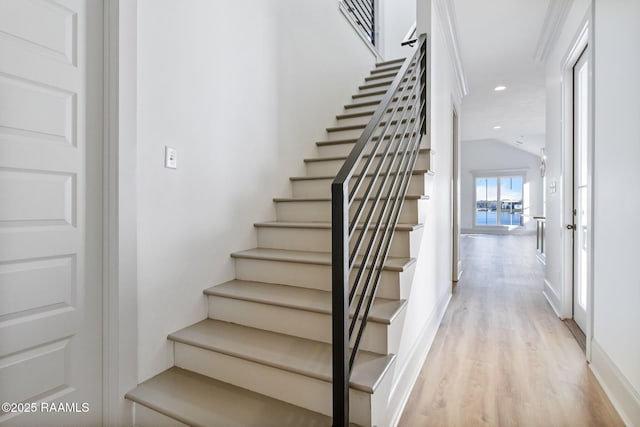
(319, 240)
(367, 89)
(380, 76)
(321, 212)
(386, 69)
(377, 85)
(290, 321)
(322, 187)
(300, 390)
(309, 275)
(375, 94)
(361, 120)
(344, 134)
(331, 167)
(360, 109)
(145, 417)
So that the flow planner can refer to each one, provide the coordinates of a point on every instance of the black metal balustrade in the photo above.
(367, 197)
(363, 12)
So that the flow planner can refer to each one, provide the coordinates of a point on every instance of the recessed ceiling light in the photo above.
(497, 127)
(500, 88)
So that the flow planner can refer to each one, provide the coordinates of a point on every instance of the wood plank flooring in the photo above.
(501, 356)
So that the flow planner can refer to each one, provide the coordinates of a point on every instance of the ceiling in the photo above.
(498, 40)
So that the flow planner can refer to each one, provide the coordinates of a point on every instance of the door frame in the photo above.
(120, 302)
(456, 263)
(581, 40)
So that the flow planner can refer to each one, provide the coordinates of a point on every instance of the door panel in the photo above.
(50, 209)
(580, 188)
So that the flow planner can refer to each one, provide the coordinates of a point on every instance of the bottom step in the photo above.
(187, 398)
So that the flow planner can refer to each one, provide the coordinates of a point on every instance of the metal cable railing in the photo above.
(363, 12)
(367, 197)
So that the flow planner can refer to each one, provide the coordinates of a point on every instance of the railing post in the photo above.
(423, 84)
(340, 302)
(374, 39)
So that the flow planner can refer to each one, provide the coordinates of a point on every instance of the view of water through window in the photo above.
(499, 200)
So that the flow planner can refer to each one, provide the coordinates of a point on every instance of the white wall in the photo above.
(430, 290)
(616, 317)
(242, 89)
(493, 155)
(615, 345)
(555, 212)
(396, 18)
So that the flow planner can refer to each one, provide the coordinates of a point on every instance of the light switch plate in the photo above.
(170, 157)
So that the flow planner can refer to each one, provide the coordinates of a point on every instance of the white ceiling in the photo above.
(498, 40)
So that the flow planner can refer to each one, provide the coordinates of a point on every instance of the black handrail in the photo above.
(363, 12)
(390, 143)
(410, 39)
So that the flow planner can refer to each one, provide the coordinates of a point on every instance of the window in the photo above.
(499, 200)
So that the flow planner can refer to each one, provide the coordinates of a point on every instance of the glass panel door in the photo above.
(580, 189)
(511, 200)
(486, 201)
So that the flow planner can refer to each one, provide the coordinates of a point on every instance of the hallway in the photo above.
(501, 356)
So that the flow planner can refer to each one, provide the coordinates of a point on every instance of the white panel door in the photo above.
(50, 212)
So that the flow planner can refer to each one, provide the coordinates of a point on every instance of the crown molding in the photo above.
(449, 29)
(555, 18)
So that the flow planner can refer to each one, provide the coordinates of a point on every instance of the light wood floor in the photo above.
(501, 356)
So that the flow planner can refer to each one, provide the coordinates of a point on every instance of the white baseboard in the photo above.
(518, 231)
(623, 396)
(552, 297)
(410, 371)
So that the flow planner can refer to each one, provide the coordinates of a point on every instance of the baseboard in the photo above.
(552, 297)
(502, 231)
(410, 371)
(623, 396)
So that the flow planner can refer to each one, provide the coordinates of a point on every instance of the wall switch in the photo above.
(170, 157)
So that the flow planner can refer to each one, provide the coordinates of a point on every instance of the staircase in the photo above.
(263, 357)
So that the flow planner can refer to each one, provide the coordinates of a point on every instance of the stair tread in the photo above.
(362, 104)
(198, 400)
(373, 93)
(386, 69)
(359, 104)
(383, 310)
(325, 225)
(319, 258)
(299, 355)
(364, 113)
(350, 140)
(369, 84)
(355, 115)
(332, 158)
(382, 75)
(378, 92)
(391, 61)
(363, 125)
(312, 178)
(374, 84)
